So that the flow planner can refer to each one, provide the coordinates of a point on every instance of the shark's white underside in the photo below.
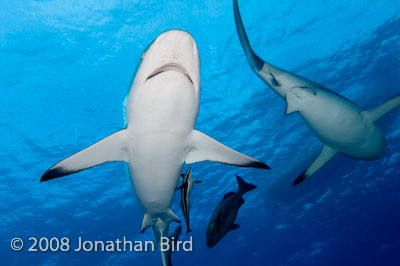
(162, 108)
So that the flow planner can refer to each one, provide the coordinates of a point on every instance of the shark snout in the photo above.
(177, 44)
(172, 51)
(176, 37)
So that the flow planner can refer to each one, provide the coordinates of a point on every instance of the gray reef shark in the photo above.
(162, 107)
(223, 218)
(339, 123)
(186, 189)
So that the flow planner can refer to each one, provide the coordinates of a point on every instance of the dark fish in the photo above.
(186, 189)
(224, 216)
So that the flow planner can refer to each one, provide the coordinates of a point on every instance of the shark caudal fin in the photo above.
(255, 62)
(203, 148)
(379, 111)
(326, 154)
(160, 224)
(275, 77)
(112, 148)
(244, 187)
(172, 240)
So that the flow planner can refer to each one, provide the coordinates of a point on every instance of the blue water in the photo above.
(66, 67)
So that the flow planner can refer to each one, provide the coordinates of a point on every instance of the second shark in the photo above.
(339, 123)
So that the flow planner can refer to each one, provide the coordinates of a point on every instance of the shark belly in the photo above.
(162, 127)
(340, 124)
(155, 171)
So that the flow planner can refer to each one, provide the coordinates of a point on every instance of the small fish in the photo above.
(186, 189)
(224, 216)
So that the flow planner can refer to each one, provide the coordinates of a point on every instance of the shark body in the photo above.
(342, 125)
(162, 107)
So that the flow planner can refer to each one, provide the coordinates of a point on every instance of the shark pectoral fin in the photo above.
(203, 148)
(379, 111)
(326, 154)
(111, 148)
(234, 227)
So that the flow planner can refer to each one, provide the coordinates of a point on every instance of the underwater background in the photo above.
(65, 68)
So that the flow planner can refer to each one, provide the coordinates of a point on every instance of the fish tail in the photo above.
(244, 187)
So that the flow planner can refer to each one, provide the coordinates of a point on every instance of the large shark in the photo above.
(162, 107)
(338, 122)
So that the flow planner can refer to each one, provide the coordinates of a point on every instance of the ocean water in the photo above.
(65, 70)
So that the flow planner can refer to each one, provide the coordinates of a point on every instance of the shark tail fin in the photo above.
(160, 224)
(173, 238)
(255, 62)
(379, 111)
(244, 187)
(263, 69)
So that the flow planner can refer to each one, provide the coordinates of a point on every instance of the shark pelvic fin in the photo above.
(154, 219)
(170, 216)
(148, 220)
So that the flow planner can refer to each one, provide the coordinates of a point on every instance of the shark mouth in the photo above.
(170, 67)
